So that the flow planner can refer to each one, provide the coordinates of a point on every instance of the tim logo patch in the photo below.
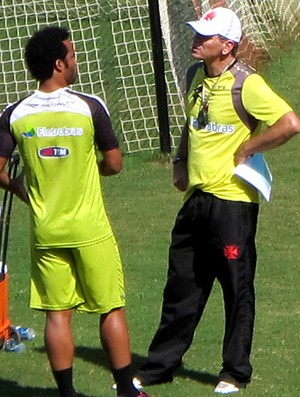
(54, 151)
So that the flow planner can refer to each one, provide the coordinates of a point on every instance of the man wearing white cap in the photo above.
(232, 114)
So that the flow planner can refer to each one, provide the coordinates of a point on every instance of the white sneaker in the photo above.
(226, 388)
(136, 383)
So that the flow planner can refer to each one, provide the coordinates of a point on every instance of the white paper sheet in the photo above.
(255, 171)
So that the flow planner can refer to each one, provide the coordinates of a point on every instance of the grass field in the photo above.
(142, 205)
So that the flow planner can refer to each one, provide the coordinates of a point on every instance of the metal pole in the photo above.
(160, 82)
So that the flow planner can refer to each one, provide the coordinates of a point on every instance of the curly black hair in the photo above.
(43, 49)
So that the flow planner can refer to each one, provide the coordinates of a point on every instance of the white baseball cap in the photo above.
(219, 21)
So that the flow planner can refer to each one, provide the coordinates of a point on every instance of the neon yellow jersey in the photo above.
(211, 149)
(55, 134)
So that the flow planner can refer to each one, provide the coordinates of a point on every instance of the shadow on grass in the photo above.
(98, 357)
(10, 388)
(202, 377)
(13, 389)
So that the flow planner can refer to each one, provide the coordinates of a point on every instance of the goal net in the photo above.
(114, 50)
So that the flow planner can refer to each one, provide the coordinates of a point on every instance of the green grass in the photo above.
(142, 205)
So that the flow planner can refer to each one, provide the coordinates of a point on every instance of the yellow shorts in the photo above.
(89, 279)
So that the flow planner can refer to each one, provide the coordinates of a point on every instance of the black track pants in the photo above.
(211, 239)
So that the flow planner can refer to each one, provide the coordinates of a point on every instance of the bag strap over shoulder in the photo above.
(241, 71)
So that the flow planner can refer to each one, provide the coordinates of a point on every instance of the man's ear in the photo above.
(227, 47)
(59, 64)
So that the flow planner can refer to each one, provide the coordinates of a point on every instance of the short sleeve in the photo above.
(105, 138)
(7, 141)
(262, 102)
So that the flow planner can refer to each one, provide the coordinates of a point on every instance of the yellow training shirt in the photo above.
(57, 134)
(211, 149)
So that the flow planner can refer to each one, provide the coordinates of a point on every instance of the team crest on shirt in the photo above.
(54, 151)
